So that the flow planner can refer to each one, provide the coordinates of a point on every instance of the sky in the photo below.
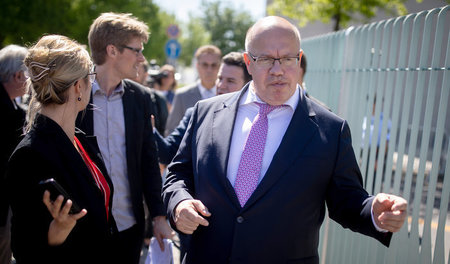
(182, 8)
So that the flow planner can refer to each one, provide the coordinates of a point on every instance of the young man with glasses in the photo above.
(256, 168)
(207, 65)
(120, 120)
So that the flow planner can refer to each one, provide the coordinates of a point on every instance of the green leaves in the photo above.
(26, 20)
(341, 11)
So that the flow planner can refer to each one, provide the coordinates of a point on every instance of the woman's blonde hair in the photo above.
(54, 63)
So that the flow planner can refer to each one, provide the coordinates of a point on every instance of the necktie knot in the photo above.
(265, 109)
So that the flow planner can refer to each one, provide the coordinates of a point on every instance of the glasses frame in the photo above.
(255, 58)
(91, 76)
(138, 51)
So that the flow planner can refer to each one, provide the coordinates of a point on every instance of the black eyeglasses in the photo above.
(268, 62)
(138, 51)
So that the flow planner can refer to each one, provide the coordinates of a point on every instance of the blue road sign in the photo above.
(172, 49)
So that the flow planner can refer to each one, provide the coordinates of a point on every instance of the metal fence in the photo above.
(391, 81)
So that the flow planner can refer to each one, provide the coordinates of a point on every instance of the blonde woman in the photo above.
(43, 230)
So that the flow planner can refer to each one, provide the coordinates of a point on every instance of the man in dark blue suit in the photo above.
(245, 203)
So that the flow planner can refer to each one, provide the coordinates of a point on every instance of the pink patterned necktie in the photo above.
(249, 169)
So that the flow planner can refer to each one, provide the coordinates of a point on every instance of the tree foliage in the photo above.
(26, 20)
(193, 35)
(217, 24)
(341, 11)
(226, 25)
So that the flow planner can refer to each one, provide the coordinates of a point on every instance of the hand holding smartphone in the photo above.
(55, 190)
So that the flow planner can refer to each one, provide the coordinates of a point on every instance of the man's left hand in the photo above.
(389, 211)
(161, 230)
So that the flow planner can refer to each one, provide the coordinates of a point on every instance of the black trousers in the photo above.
(127, 245)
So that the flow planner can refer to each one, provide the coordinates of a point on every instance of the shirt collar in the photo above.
(206, 93)
(250, 97)
(118, 90)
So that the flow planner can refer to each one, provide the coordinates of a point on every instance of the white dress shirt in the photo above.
(278, 121)
(109, 128)
(206, 93)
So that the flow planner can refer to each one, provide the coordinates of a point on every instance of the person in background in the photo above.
(159, 104)
(13, 84)
(168, 83)
(256, 168)
(43, 230)
(208, 62)
(232, 76)
(120, 119)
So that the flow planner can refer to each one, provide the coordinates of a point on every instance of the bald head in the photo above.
(269, 24)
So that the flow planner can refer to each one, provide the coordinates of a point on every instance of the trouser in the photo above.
(185, 241)
(127, 245)
(5, 241)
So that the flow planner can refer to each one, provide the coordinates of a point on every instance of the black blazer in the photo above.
(142, 158)
(46, 152)
(12, 120)
(314, 166)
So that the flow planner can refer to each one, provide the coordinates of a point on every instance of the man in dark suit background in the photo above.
(207, 65)
(120, 119)
(12, 85)
(272, 210)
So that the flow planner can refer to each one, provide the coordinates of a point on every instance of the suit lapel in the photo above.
(296, 138)
(223, 125)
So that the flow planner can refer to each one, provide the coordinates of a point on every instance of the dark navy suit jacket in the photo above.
(314, 166)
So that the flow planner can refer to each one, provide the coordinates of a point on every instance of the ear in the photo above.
(77, 86)
(111, 50)
(247, 62)
(300, 59)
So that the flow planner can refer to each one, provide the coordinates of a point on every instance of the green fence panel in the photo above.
(390, 80)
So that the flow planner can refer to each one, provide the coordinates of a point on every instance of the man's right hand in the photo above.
(188, 216)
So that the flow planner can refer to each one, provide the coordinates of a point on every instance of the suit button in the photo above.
(240, 219)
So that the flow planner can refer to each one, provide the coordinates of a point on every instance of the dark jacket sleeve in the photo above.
(180, 178)
(168, 147)
(348, 203)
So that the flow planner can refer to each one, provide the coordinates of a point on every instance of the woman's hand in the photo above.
(63, 222)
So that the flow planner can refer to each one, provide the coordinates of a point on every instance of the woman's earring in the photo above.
(79, 98)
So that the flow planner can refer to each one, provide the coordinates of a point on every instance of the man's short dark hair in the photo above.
(237, 59)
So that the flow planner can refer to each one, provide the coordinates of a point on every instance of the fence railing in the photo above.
(391, 81)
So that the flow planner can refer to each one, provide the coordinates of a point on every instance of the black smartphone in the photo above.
(55, 190)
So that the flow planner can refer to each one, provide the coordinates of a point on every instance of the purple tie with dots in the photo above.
(249, 169)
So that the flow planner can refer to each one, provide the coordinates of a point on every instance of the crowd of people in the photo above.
(250, 160)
